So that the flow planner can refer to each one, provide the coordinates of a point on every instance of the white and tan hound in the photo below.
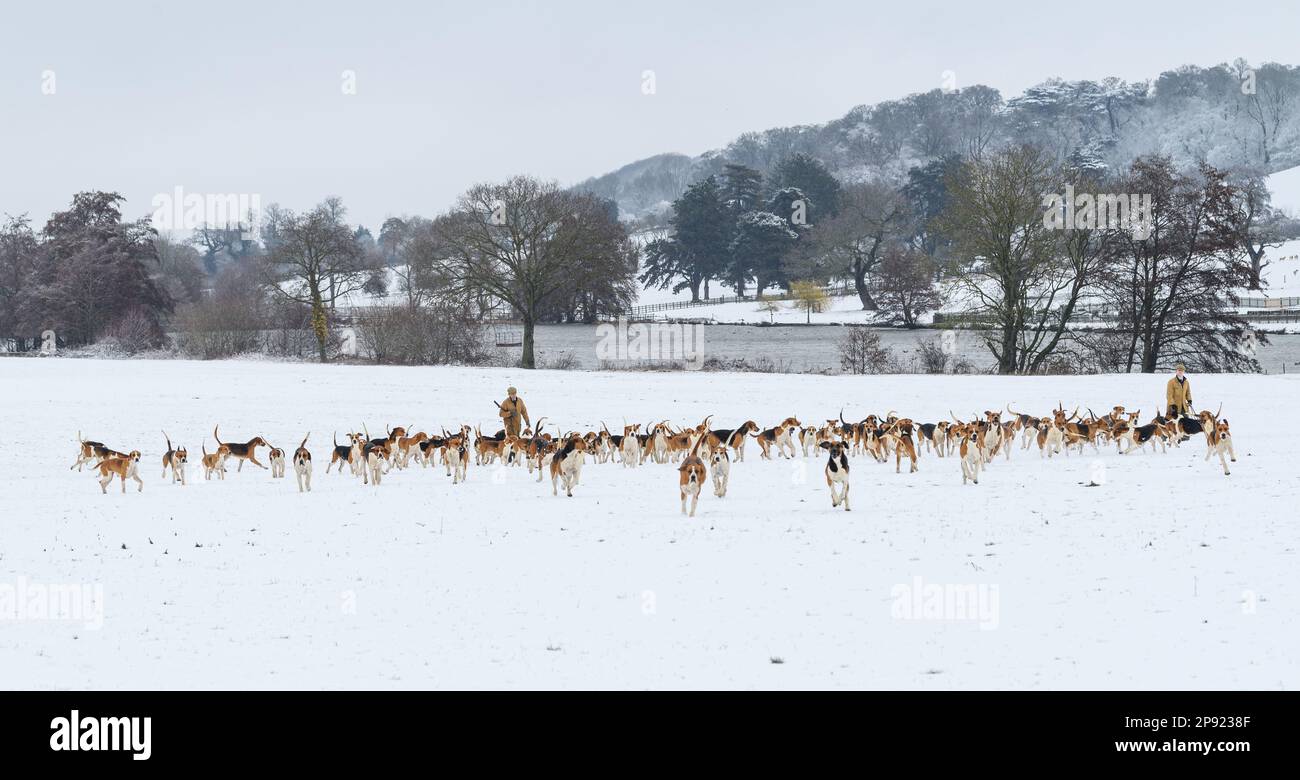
(302, 465)
(128, 466)
(175, 459)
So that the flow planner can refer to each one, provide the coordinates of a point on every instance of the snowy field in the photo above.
(1171, 575)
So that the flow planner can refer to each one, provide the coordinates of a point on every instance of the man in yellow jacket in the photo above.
(512, 410)
(1178, 394)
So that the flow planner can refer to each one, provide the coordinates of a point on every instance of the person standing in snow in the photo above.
(512, 411)
(1178, 394)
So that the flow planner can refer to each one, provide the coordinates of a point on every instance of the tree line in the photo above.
(969, 230)
(972, 230)
(524, 250)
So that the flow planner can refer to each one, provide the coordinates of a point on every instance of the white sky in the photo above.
(242, 97)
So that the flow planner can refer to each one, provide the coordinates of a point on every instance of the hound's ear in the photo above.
(825, 445)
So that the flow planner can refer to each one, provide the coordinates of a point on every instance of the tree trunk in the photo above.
(528, 360)
(860, 284)
(319, 325)
(706, 289)
(1256, 267)
(1007, 361)
(695, 290)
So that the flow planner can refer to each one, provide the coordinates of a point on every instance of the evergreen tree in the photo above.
(760, 244)
(810, 176)
(742, 188)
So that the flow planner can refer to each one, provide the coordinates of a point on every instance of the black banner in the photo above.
(333, 729)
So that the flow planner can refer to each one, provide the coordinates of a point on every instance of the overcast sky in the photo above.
(244, 97)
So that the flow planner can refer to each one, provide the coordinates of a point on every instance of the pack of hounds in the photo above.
(703, 453)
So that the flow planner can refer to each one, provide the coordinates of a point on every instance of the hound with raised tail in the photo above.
(408, 447)
(691, 476)
(566, 464)
(900, 435)
(837, 472)
(456, 451)
(175, 459)
(91, 451)
(302, 464)
(488, 449)
(1051, 439)
(276, 459)
(781, 437)
(214, 463)
(374, 466)
(1028, 426)
(631, 451)
(720, 468)
(1137, 436)
(1220, 440)
(735, 439)
(349, 453)
(971, 458)
(242, 452)
(808, 438)
(123, 467)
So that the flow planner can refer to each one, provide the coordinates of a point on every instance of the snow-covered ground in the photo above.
(1171, 575)
(1284, 186)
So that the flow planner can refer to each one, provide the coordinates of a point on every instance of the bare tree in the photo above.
(862, 353)
(520, 242)
(1262, 227)
(180, 269)
(871, 216)
(314, 259)
(1173, 287)
(904, 285)
(1014, 269)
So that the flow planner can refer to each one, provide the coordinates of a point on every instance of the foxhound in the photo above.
(456, 452)
(566, 464)
(242, 452)
(900, 434)
(631, 446)
(720, 467)
(780, 436)
(808, 439)
(374, 466)
(302, 465)
(837, 473)
(1220, 440)
(214, 463)
(175, 459)
(349, 454)
(488, 450)
(1051, 439)
(91, 451)
(1138, 436)
(969, 452)
(735, 439)
(409, 447)
(123, 467)
(690, 478)
(276, 458)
